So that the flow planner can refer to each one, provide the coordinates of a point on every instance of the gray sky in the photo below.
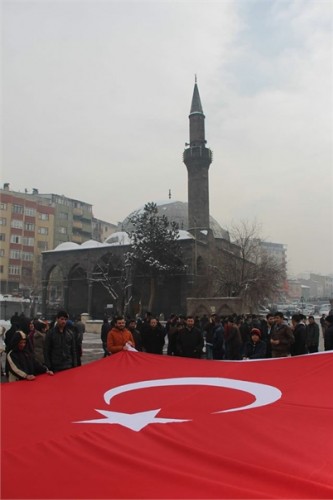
(96, 97)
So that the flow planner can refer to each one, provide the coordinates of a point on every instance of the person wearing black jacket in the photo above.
(312, 335)
(328, 338)
(60, 350)
(153, 335)
(190, 340)
(299, 331)
(255, 348)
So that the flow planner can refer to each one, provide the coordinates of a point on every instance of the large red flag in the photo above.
(138, 425)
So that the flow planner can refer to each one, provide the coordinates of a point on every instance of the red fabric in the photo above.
(280, 450)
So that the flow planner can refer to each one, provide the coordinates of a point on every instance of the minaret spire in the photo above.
(197, 158)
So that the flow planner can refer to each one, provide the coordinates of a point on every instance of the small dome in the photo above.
(91, 244)
(119, 238)
(67, 245)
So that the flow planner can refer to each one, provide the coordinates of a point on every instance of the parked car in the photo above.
(324, 309)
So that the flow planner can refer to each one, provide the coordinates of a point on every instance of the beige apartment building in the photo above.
(26, 230)
(31, 223)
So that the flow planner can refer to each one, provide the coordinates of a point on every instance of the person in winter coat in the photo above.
(106, 327)
(299, 332)
(153, 336)
(312, 335)
(328, 338)
(135, 334)
(60, 346)
(190, 340)
(21, 362)
(209, 328)
(255, 348)
(232, 339)
(282, 337)
(218, 339)
(40, 329)
(119, 336)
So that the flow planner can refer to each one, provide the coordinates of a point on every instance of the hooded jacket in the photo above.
(22, 363)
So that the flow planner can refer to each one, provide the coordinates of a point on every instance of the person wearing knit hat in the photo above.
(255, 348)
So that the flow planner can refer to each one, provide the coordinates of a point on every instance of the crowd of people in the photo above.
(36, 346)
(215, 337)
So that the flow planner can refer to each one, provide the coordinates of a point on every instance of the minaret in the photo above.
(197, 159)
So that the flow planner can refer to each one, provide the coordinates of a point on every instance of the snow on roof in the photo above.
(119, 238)
(91, 244)
(185, 235)
(67, 245)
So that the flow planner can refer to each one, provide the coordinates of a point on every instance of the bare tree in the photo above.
(252, 273)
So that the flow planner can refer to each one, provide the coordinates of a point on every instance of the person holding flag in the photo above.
(119, 337)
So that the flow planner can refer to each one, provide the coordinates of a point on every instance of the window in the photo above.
(28, 226)
(3, 221)
(15, 254)
(18, 224)
(15, 238)
(27, 256)
(43, 230)
(1, 269)
(42, 245)
(63, 215)
(18, 209)
(62, 230)
(3, 206)
(30, 211)
(2, 237)
(29, 242)
(2, 252)
(42, 216)
(14, 270)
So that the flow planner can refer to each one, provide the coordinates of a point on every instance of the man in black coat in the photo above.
(190, 340)
(328, 338)
(60, 349)
(153, 337)
(299, 331)
(312, 335)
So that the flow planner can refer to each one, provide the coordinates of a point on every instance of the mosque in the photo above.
(90, 277)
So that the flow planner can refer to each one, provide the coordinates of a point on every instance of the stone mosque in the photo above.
(72, 273)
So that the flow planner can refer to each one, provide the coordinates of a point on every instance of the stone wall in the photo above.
(224, 306)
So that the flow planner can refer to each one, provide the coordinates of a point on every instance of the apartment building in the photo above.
(31, 223)
(26, 230)
(72, 219)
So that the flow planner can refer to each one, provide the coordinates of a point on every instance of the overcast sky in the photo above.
(96, 97)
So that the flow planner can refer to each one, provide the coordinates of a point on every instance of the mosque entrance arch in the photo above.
(55, 298)
(77, 291)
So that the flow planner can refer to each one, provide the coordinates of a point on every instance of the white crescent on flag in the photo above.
(264, 395)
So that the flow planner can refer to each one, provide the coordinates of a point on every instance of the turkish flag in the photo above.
(137, 425)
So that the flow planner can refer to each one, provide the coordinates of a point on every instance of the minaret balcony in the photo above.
(197, 152)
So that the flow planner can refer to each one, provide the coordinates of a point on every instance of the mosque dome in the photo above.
(91, 244)
(67, 245)
(176, 211)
